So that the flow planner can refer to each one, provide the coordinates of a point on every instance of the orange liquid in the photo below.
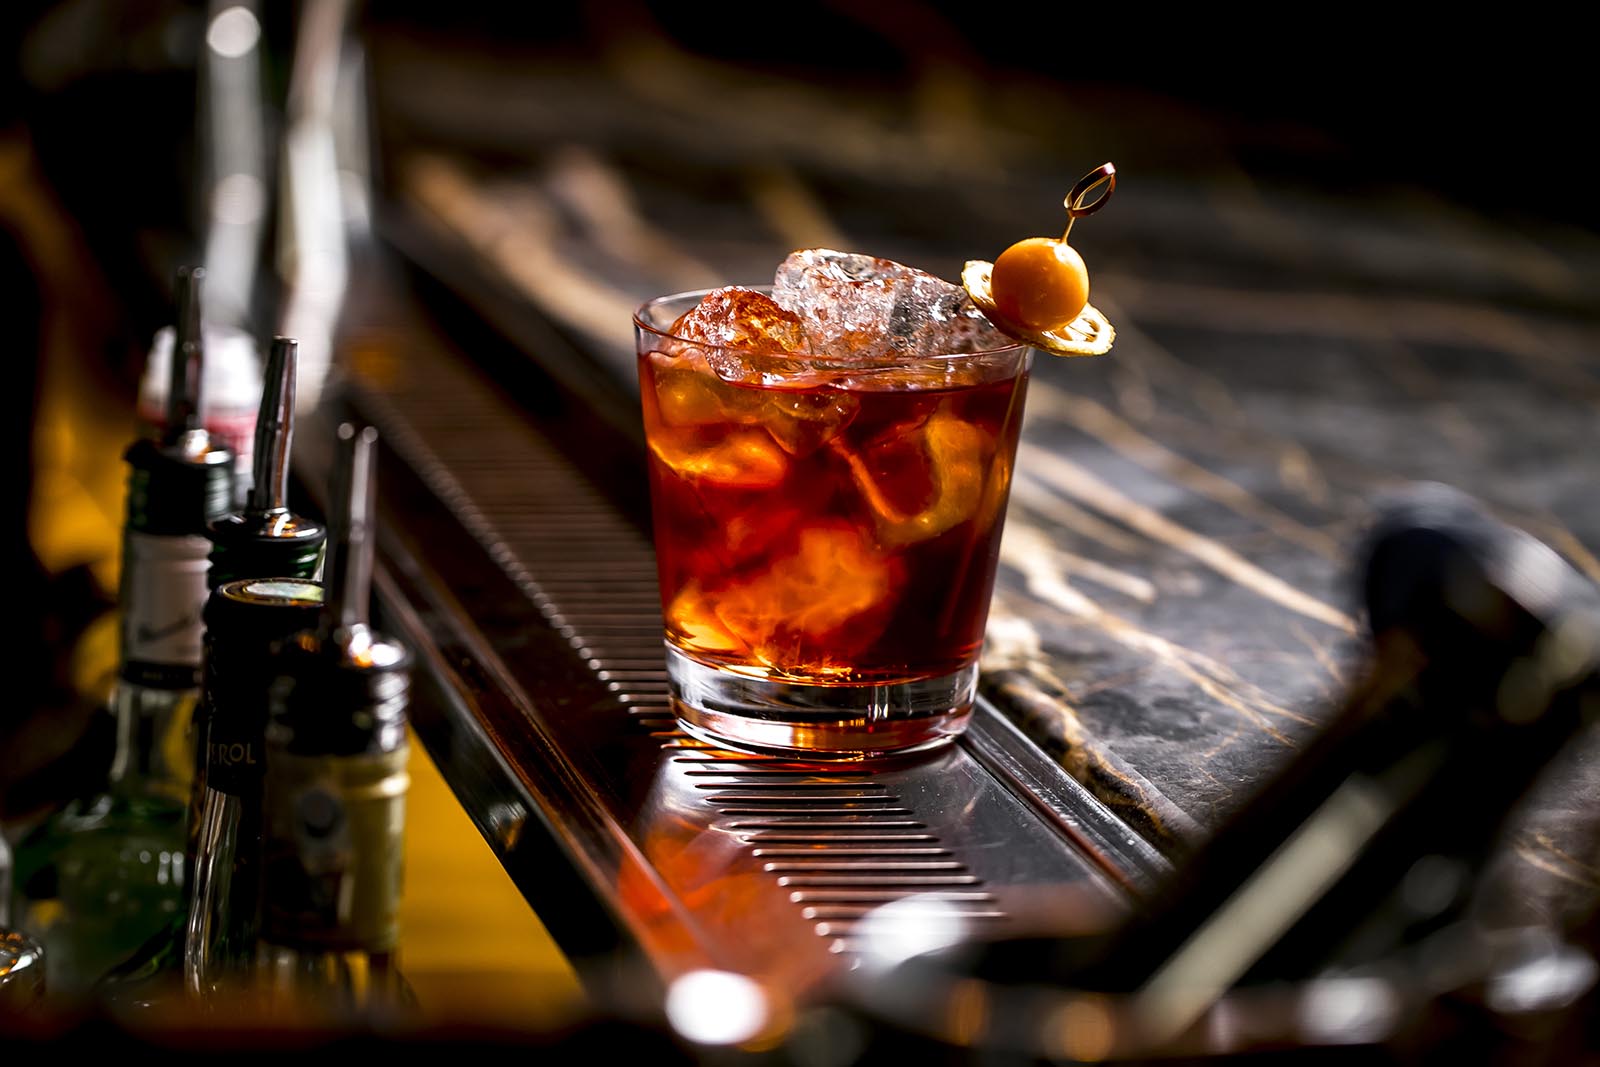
(837, 534)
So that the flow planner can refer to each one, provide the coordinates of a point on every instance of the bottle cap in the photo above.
(178, 489)
(254, 613)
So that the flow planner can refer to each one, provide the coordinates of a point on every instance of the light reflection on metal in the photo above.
(233, 31)
(718, 1007)
(505, 821)
(909, 927)
(312, 254)
(234, 159)
(1348, 1010)
(1548, 975)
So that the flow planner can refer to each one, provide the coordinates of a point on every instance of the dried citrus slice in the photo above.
(1090, 334)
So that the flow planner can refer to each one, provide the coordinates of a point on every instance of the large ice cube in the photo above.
(864, 307)
(802, 422)
(685, 391)
(739, 330)
(688, 394)
(816, 606)
(955, 457)
(693, 619)
(744, 459)
(736, 317)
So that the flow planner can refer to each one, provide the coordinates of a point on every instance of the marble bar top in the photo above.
(1174, 612)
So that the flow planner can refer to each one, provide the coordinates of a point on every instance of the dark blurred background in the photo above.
(1347, 100)
(676, 143)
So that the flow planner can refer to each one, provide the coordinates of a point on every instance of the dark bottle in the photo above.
(98, 878)
(1485, 654)
(265, 540)
(336, 783)
(245, 622)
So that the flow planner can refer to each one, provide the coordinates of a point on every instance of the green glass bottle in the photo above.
(103, 874)
(335, 788)
(265, 540)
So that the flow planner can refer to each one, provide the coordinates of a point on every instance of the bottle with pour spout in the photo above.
(103, 874)
(335, 786)
(268, 543)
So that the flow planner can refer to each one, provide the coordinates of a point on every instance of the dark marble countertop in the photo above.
(1174, 611)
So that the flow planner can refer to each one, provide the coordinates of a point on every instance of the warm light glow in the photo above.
(717, 1007)
(233, 32)
(1082, 1028)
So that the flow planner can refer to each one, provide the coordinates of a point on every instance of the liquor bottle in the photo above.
(1365, 845)
(101, 875)
(336, 783)
(229, 392)
(264, 540)
(246, 620)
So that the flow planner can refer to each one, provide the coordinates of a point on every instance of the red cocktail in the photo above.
(826, 524)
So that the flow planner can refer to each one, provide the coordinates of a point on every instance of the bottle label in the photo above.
(233, 765)
(233, 720)
(163, 594)
(333, 858)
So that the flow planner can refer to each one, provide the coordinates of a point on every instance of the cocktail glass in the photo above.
(826, 533)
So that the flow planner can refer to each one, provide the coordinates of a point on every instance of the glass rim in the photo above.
(876, 362)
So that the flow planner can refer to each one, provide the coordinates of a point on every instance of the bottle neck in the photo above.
(163, 593)
(155, 753)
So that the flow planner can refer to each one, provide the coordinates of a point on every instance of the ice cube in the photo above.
(957, 457)
(817, 606)
(693, 620)
(863, 307)
(685, 391)
(735, 317)
(744, 459)
(802, 422)
(743, 335)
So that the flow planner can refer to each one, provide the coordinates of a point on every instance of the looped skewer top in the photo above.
(1078, 203)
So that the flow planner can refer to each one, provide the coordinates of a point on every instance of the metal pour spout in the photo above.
(188, 359)
(274, 431)
(346, 612)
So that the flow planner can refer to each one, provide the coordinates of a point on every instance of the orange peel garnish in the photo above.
(1090, 334)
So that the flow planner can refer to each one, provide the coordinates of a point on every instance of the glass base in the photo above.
(821, 722)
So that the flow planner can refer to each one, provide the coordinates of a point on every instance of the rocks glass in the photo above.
(828, 491)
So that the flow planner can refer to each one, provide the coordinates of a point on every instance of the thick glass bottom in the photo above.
(822, 722)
